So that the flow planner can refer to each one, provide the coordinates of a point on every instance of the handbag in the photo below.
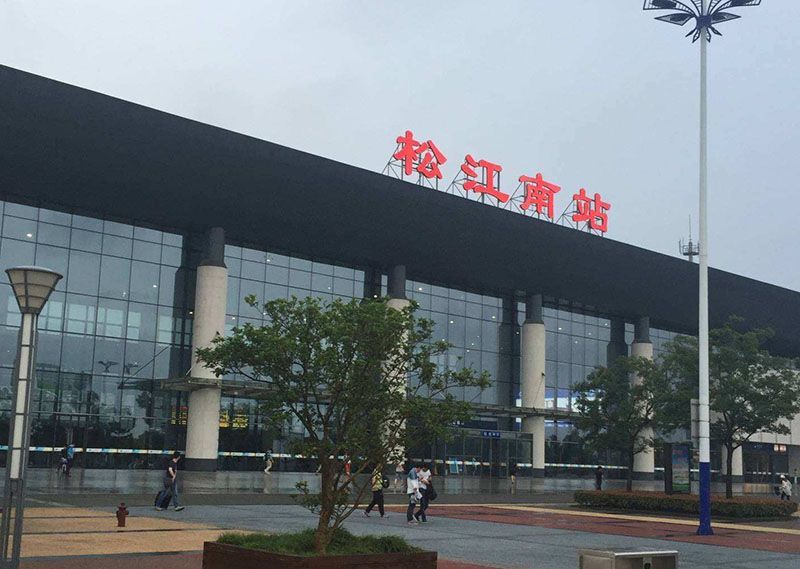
(431, 493)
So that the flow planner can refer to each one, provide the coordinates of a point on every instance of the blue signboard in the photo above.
(491, 434)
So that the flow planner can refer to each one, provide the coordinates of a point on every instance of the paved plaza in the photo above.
(509, 535)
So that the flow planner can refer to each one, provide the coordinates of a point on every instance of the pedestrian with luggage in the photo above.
(170, 480)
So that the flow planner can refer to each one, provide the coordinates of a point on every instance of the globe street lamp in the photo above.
(32, 287)
(705, 14)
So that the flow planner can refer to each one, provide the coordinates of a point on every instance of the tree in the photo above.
(619, 406)
(341, 369)
(750, 391)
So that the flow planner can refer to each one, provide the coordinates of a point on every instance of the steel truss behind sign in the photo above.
(479, 180)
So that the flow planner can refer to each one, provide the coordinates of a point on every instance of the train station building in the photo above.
(162, 225)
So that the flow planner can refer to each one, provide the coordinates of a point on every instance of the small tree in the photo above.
(341, 370)
(618, 413)
(751, 391)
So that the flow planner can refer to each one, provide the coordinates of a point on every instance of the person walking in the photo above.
(413, 493)
(424, 476)
(598, 478)
(377, 493)
(268, 463)
(68, 456)
(512, 475)
(399, 476)
(786, 489)
(170, 491)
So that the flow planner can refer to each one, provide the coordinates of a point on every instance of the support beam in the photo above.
(644, 462)
(202, 425)
(532, 378)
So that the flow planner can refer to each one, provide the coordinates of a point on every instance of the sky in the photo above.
(593, 94)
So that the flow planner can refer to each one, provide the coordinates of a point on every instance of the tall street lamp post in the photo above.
(32, 287)
(705, 14)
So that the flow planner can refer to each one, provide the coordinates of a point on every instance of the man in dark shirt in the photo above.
(170, 484)
(598, 478)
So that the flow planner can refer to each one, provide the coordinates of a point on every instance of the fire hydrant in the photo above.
(122, 513)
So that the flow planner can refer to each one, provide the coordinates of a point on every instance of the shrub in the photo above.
(739, 507)
(302, 543)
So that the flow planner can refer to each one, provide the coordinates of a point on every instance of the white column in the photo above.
(737, 468)
(643, 462)
(532, 378)
(202, 425)
(398, 301)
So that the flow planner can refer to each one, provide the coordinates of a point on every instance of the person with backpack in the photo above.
(379, 482)
(170, 480)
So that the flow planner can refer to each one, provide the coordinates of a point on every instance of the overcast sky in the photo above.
(592, 93)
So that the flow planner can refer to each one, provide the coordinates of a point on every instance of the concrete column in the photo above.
(532, 380)
(616, 343)
(202, 424)
(396, 291)
(644, 462)
(737, 468)
(397, 288)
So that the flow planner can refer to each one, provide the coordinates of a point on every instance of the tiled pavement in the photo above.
(499, 535)
(82, 538)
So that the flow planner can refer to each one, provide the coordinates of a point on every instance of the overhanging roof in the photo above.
(77, 150)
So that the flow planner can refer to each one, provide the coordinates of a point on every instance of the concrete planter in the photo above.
(223, 556)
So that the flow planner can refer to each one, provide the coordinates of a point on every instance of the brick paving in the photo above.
(82, 538)
(778, 540)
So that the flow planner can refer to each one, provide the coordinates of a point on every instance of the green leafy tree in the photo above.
(341, 370)
(620, 405)
(751, 391)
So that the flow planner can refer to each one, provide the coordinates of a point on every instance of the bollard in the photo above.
(122, 513)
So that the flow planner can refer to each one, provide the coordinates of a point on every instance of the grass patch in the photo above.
(302, 543)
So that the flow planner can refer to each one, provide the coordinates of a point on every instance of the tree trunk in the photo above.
(629, 481)
(729, 471)
(327, 499)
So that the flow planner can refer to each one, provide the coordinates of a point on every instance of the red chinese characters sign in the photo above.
(535, 195)
(423, 158)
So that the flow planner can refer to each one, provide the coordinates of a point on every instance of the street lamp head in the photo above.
(705, 13)
(32, 287)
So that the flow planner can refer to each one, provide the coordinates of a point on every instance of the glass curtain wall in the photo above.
(118, 322)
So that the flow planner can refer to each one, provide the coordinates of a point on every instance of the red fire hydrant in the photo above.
(122, 513)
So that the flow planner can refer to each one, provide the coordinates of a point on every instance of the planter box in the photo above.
(223, 556)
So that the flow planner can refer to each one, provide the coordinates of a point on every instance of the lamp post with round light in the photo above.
(32, 287)
(705, 14)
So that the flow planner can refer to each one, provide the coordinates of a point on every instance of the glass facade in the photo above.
(121, 321)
